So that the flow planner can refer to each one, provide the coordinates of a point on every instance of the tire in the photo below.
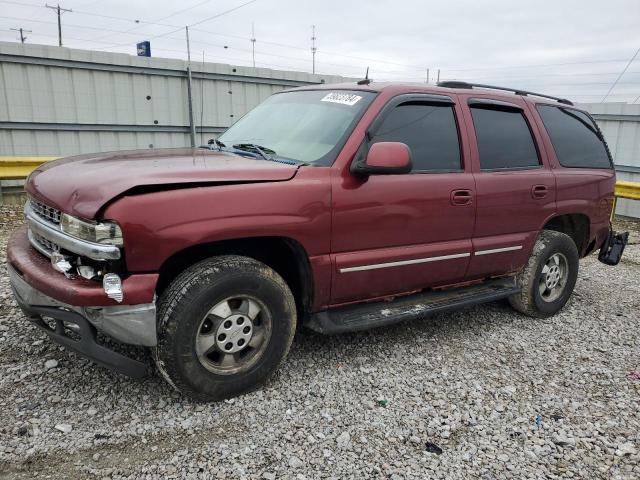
(230, 298)
(554, 258)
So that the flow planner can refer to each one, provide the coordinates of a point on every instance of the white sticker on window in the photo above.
(343, 98)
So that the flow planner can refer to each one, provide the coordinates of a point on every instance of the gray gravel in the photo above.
(453, 396)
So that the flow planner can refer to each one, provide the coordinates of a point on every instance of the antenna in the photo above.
(365, 80)
(21, 30)
(59, 11)
(253, 44)
(313, 48)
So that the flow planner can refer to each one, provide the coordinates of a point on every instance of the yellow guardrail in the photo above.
(13, 168)
(628, 190)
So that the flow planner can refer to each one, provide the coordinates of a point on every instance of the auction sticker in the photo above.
(343, 98)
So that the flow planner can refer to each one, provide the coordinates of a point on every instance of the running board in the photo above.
(377, 314)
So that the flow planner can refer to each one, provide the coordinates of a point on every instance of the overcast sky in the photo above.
(571, 48)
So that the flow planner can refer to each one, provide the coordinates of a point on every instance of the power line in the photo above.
(621, 74)
(217, 15)
(176, 12)
(397, 73)
(297, 47)
(109, 45)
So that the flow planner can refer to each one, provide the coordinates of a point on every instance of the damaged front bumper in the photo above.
(72, 310)
(76, 327)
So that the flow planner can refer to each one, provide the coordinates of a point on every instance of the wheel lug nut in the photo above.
(246, 329)
(240, 321)
(221, 337)
(228, 346)
(227, 324)
(241, 342)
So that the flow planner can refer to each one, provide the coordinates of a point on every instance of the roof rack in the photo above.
(458, 84)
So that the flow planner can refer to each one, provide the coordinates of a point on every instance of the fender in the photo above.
(157, 225)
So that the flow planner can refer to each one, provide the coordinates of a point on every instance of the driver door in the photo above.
(394, 234)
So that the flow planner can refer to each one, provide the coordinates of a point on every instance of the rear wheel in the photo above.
(225, 324)
(549, 277)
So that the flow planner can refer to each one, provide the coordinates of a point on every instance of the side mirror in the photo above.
(385, 158)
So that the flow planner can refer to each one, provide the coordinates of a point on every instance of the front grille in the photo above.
(45, 211)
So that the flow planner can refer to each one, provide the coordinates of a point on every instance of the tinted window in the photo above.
(430, 132)
(504, 139)
(575, 138)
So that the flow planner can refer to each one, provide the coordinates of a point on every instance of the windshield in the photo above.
(307, 126)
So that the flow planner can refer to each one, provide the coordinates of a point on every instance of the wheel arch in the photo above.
(575, 225)
(283, 254)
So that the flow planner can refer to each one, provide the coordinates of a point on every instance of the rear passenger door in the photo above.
(515, 188)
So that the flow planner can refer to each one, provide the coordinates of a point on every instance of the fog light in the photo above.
(86, 271)
(113, 286)
(60, 263)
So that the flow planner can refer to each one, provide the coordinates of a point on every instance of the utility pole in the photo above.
(253, 44)
(427, 75)
(192, 126)
(313, 48)
(21, 30)
(59, 11)
(438, 81)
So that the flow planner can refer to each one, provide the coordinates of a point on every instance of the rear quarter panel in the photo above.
(588, 191)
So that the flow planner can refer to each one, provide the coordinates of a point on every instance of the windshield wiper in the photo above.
(216, 143)
(264, 152)
(255, 149)
(213, 144)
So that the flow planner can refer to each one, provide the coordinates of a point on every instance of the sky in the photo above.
(584, 50)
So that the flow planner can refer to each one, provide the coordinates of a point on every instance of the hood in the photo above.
(83, 184)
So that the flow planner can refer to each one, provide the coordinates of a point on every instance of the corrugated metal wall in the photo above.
(60, 101)
(620, 125)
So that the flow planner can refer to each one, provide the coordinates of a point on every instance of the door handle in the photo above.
(461, 197)
(539, 191)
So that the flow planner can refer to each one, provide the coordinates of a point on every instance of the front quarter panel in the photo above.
(159, 224)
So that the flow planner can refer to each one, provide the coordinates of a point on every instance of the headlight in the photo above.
(107, 233)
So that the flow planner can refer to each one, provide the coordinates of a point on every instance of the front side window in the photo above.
(307, 126)
(504, 139)
(575, 138)
(429, 131)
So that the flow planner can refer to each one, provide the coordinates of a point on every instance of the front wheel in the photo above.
(225, 324)
(549, 277)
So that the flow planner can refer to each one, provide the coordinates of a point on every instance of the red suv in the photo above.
(339, 207)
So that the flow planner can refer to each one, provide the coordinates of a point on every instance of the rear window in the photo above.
(504, 139)
(575, 138)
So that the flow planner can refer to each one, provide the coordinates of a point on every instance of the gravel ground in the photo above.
(453, 396)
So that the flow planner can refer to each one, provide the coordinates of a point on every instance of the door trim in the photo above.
(498, 250)
(400, 263)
